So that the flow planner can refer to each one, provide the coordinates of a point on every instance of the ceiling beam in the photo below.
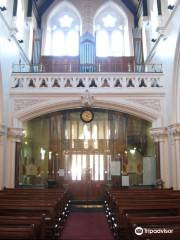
(131, 6)
(44, 6)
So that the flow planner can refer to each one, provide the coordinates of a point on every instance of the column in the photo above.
(2, 145)
(175, 133)
(160, 136)
(14, 136)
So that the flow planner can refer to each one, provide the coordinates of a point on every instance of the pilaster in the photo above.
(14, 136)
(175, 134)
(160, 135)
(2, 146)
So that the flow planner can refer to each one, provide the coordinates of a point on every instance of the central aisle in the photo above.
(87, 223)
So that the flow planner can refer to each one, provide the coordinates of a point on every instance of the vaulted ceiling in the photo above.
(42, 5)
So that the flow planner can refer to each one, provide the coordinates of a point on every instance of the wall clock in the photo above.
(87, 115)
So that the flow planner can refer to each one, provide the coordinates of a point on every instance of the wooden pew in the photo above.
(31, 204)
(25, 232)
(142, 203)
(13, 221)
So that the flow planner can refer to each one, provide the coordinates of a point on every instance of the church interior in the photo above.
(90, 119)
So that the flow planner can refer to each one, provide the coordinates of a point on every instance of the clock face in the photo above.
(87, 116)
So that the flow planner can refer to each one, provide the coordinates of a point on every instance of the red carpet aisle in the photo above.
(87, 226)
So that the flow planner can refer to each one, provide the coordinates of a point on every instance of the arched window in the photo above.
(72, 43)
(102, 44)
(58, 43)
(117, 43)
(111, 31)
(62, 35)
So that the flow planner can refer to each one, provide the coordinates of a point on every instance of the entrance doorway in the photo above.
(87, 167)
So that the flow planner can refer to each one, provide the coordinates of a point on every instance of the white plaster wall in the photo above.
(176, 77)
(1, 134)
(166, 52)
(10, 53)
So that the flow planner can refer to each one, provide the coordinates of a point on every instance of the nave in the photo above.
(87, 221)
(124, 214)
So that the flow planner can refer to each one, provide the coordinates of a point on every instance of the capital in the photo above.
(175, 131)
(2, 130)
(159, 134)
(15, 134)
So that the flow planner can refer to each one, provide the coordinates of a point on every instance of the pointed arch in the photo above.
(113, 19)
(112, 5)
(61, 22)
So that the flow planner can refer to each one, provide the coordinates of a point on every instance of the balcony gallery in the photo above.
(68, 72)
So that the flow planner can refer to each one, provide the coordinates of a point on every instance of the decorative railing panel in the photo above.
(86, 80)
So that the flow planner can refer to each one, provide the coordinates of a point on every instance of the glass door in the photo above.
(87, 164)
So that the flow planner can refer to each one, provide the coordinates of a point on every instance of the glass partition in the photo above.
(61, 146)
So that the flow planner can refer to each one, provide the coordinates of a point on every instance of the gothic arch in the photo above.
(130, 107)
(114, 6)
(127, 20)
(54, 9)
(58, 6)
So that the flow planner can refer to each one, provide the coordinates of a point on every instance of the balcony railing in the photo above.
(87, 68)
(86, 80)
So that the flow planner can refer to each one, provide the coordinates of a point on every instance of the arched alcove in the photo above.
(64, 144)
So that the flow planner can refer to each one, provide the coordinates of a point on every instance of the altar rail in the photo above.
(86, 80)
